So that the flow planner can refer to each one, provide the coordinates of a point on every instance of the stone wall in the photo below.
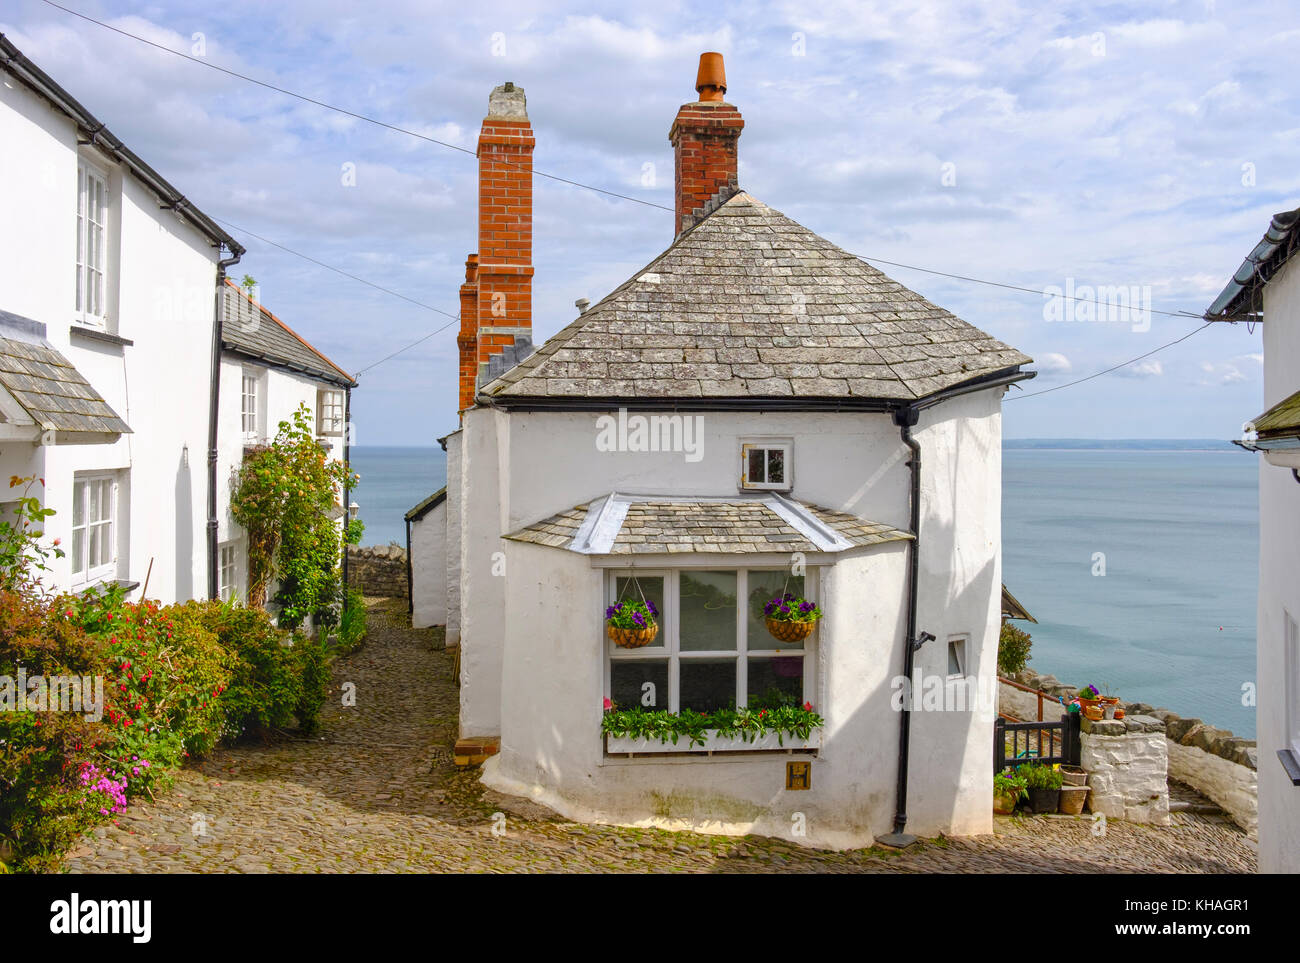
(378, 569)
(1216, 763)
(1127, 762)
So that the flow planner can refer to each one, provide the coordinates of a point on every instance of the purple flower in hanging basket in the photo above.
(651, 606)
(806, 607)
(639, 619)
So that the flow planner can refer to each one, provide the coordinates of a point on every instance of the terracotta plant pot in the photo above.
(790, 631)
(632, 638)
(1074, 775)
(1004, 803)
(1072, 799)
(1093, 712)
(1109, 700)
(1087, 704)
(1119, 713)
(1044, 800)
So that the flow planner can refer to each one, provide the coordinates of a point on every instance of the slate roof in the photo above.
(427, 505)
(749, 304)
(53, 392)
(620, 524)
(250, 329)
(1283, 419)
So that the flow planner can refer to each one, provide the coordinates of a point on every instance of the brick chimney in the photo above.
(497, 296)
(704, 137)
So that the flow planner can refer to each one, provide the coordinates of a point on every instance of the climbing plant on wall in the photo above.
(285, 497)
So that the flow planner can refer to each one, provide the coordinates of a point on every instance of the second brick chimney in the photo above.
(704, 137)
(496, 315)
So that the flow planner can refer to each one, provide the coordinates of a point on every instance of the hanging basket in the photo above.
(790, 632)
(632, 638)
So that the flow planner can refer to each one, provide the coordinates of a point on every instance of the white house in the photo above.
(754, 411)
(267, 371)
(1266, 288)
(107, 281)
(426, 560)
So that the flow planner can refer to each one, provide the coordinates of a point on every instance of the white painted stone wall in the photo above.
(1235, 788)
(1279, 588)
(429, 568)
(532, 662)
(1127, 773)
(454, 542)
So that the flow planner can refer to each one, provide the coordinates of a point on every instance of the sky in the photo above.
(1085, 148)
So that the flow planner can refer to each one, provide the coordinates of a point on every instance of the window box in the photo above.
(768, 742)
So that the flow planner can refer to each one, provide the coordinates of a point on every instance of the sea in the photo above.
(1139, 559)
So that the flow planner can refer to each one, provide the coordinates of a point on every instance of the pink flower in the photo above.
(608, 705)
(807, 707)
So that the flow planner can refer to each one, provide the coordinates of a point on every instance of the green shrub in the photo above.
(1039, 776)
(43, 805)
(352, 622)
(1013, 650)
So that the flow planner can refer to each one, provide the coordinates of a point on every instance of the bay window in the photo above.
(713, 650)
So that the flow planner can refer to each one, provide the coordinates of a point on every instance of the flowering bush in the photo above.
(23, 557)
(791, 608)
(1091, 693)
(632, 615)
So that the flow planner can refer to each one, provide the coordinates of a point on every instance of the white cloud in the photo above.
(1053, 364)
(1151, 368)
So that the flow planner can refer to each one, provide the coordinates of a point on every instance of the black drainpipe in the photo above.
(410, 589)
(347, 479)
(906, 419)
(213, 400)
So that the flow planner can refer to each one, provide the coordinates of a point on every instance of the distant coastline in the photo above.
(1118, 444)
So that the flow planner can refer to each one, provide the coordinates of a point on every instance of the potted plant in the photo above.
(632, 624)
(791, 618)
(1008, 789)
(1088, 697)
(1044, 786)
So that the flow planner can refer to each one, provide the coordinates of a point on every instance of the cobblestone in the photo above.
(375, 792)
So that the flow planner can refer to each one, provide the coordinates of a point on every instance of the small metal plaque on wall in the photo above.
(798, 775)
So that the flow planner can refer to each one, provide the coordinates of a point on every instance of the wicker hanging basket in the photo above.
(632, 638)
(790, 631)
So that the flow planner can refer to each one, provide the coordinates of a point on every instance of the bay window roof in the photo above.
(625, 524)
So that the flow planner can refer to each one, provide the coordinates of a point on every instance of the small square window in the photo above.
(329, 412)
(766, 466)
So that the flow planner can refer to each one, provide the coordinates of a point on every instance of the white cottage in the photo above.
(1266, 288)
(754, 411)
(107, 277)
(132, 372)
(267, 371)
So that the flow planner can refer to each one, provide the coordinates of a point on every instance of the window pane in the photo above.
(776, 681)
(643, 684)
(708, 611)
(629, 589)
(78, 504)
(78, 551)
(763, 587)
(95, 539)
(707, 684)
(755, 471)
(954, 657)
(776, 466)
(105, 500)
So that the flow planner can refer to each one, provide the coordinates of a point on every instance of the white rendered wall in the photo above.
(537, 628)
(454, 501)
(159, 294)
(429, 568)
(1279, 584)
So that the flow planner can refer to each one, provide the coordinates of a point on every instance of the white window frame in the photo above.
(92, 272)
(105, 570)
(1291, 640)
(960, 644)
(228, 571)
(250, 387)
(668, 643)
(329, 412)
(787, 449)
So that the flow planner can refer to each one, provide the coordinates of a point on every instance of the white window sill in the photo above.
(770, 742)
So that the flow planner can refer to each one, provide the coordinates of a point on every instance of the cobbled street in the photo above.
(375, 792)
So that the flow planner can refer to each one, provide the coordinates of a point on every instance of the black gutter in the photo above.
(271, 361)
(16, 62)
(214, 400)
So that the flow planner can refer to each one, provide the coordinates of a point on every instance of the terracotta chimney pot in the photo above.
(711, 80)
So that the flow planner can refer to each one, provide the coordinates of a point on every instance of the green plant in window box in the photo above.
(748, 723)
(791, 618)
